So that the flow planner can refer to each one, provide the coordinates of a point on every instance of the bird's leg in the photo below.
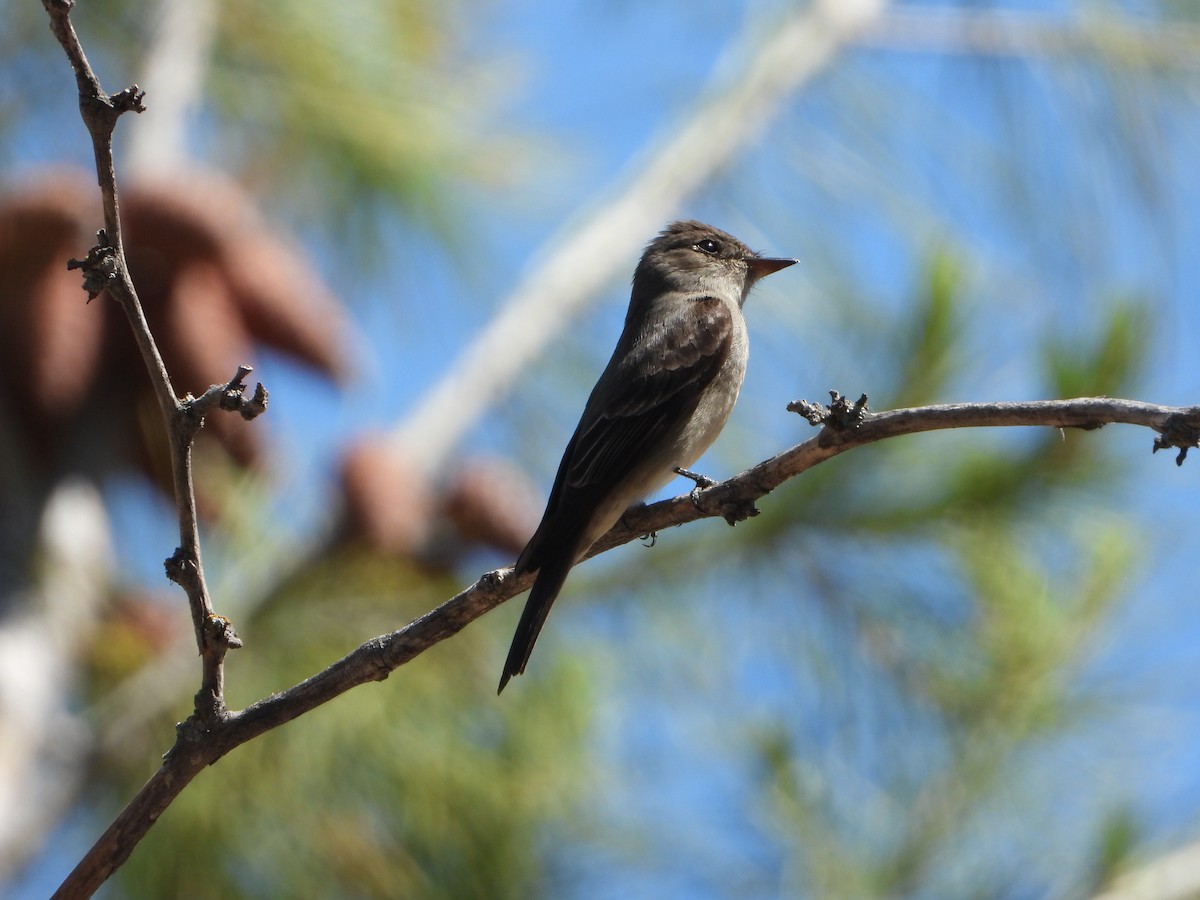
(701, 481)
(733, 512)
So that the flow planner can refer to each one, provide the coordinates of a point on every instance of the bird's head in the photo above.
(693, 257)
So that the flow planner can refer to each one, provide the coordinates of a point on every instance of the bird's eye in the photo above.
(708, 245)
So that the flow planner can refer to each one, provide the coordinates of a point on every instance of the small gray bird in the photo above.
(662, 400)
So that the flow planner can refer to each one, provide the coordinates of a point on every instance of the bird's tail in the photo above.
(545, 590)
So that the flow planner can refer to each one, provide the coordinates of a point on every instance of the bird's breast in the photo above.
(687, 445)
(716, 403)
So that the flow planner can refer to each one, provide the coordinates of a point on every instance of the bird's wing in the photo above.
(672, 367)
(674, 363)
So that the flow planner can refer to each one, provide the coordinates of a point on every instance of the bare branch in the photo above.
(1021, 33)
(230, 397)
(850, 426)
(105, 268)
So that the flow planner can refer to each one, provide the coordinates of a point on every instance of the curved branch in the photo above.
(845, 426)
(731, 499)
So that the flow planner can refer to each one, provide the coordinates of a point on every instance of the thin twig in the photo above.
(105, 269)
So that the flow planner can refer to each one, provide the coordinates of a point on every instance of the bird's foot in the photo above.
(701, 481)
(733, 511)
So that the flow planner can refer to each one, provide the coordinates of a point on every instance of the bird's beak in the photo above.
(762, 266)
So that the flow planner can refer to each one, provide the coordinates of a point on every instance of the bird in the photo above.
(660, 402)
